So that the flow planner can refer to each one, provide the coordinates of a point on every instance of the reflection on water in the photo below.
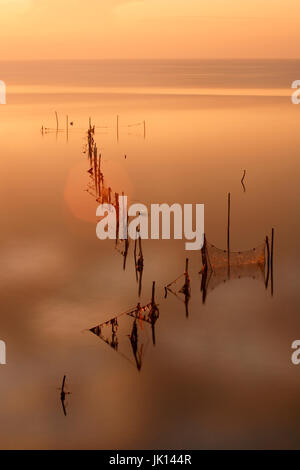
(220, 266)
(222, 379)
(63, 395)
(185, 289)
(138, 261)
(148, 313)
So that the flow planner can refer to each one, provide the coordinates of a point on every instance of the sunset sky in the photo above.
(95, 29)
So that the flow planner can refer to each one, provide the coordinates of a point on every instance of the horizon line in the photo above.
(184, 59)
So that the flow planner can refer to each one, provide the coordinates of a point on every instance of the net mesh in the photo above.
(217, 258)
(126, 335)
(220, 266)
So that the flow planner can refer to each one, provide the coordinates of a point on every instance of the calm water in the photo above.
(222, 378)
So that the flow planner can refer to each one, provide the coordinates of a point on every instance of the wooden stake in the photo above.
(272, 253)
(99, 175)
(95, 167)
(67, 123)
(268, 262)
(153, 334)
(56, 115)
(154, 314)
(153, 293)
(228, 234)
(186, 266)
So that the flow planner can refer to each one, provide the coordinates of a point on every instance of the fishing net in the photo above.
(180, 285)
(181, 288)
(127, 333)
(219, 266)
(215, 258)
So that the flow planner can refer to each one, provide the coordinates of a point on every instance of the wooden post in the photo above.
(63, 384)
(67, 124)
(144, 129)
(272, 253)
(268, 262)
(118, 220)
(140, 247)
(186, 288)
(153, 293)
(153, 320)
(100, 173)
(228, 234)
(153, 334)
(95, 167)
(56, 115)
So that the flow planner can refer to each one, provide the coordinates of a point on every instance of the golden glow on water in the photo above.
(58, 280)
(79, 190)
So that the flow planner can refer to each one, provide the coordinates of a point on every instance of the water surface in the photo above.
(223, 377)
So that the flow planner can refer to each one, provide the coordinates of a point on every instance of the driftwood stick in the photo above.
(242, 181)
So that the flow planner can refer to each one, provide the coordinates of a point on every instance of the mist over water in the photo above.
(223, 377)
(157, 74)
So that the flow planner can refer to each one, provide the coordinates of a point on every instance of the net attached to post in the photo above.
(176, 288)
(220, 266)
(127, 330)
(126, 335)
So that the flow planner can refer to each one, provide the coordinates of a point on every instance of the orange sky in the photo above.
(60, 29)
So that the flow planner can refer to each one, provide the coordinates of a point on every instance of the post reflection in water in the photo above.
(107, 331)
(58, 278)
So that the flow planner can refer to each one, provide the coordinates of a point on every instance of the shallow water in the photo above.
(223, 377)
